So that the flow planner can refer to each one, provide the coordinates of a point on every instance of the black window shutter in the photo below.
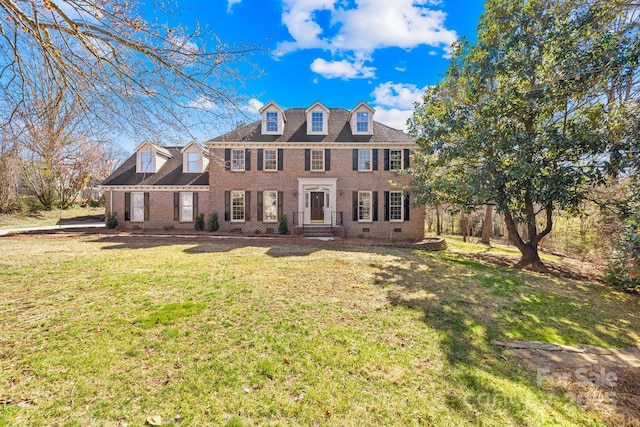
(247, 205)
(386, 159)
(374, 158)
(227, 205)
(374, 205)
(146, 206)
(355, 159)
(280, 204)
(327, 159)
(260, 159)
(195, 205)
(247, 159)
(227, 159)
(406, 158)
(406, 207)
(307, 159)
(280, 158)
(355, 205)
(176, 206)
(127, 206)
(386, 206)
(259, 205)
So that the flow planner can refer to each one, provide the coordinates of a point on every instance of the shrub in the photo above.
(198, 224)
(212, 222)
(283, 225)
(111, 220)
(623, 269)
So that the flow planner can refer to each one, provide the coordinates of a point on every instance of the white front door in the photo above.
(137, 207)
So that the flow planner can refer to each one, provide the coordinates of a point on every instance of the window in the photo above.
(237, 160)
(364, 206)
(237, 206)
(395, 160)
(270, 206)
(272, 122)
(316, 122)
(362, 122)
(395, 206)
(270, 160)
(317, 160)
(186, 207)
(364, 160)
(146, 161)
(193, 162)
(137, 207)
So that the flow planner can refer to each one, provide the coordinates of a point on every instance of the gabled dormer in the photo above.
(150, 157)
(317, 119)
(273, 119)
(195, 158)
(361, 119)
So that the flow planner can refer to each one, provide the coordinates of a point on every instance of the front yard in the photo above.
(115, 329)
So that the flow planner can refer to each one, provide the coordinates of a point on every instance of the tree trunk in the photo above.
(438, 223)
(486, 227)
(463, 226)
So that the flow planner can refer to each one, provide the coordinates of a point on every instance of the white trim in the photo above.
(317, 107)
(328, 186)
(152, 188)
(139, 206)
(370, 193)
(264, 159)
(244, 206)
(370, 160)
(181, 206)
(402, 201)
(311, 145)
(324, 166)
(244, 160)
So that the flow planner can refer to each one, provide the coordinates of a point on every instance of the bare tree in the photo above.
(59, 152)
(148, 74)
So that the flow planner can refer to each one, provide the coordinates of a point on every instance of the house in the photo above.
(328, 170)
(159, 186)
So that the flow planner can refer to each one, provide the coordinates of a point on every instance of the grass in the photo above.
(53, 217)
(103, 330)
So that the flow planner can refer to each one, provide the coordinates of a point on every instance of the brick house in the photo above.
(329, 170)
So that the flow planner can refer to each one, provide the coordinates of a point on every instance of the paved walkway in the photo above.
(52, 227)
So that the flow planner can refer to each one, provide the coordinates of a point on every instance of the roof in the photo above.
(170, 173)
(295, 131)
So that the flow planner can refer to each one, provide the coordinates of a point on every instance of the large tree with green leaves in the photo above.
(532, 114)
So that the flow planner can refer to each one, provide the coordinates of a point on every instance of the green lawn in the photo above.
(108, 330)
(54, 217)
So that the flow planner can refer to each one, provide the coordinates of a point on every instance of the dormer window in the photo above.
(272, 121)
(316, 122)
(317, 119)
(146, 161)
(362, 122)
(195, 158)
(361, 119)
(193, 162)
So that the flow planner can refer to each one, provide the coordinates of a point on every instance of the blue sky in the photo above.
(341, 52)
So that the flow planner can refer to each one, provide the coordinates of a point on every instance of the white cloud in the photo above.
(394, 103)
(393, 117)
(397, 95)
(343, 69)
(231, 3)
(364, 25)
(253, 106)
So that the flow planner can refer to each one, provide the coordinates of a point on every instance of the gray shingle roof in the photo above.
(295, 131)
(169, 174)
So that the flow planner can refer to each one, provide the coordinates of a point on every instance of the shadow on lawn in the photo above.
(276, 247)
(468, 303)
